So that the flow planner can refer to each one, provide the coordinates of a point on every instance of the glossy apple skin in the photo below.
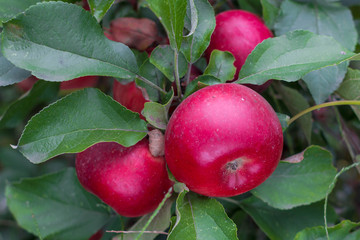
(130, 96)
(130, 180)
(216, 127)
(238, 32)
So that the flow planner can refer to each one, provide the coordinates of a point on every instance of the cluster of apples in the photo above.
(221, 141)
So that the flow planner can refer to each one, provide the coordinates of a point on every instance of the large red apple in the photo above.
(223, 140)
(238, 32)
(130, 180)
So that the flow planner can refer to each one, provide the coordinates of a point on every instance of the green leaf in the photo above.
(340, 231)
(350, 88)
(9, 9)
(284, 224)
(194, 85)
(93, 117)
(320, 17)
(270, 12)
(296, 184)
(171, 14)
(193, 46)
(221, 65)
(284, 119)
(56, 206)
(163, 58)
(291, 56)
(9, 73)
(154, 75)
(44, 41)
(42, 92)
(157, 114)
(98, 8)
(296, 103)
(201, 218)
(250, 5)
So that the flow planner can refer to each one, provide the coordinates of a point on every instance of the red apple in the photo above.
(97, 236)
(130, 180)
(223, 140)
(76, 83)
(238, 32)
(130, 96)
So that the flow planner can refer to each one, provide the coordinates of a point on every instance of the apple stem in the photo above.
(176, 68)
(328, 104)
(151, 84)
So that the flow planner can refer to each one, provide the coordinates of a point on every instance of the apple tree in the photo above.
(179, 119)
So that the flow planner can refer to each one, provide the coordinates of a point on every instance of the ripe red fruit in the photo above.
(130, 180)
(238, 32)
(130, 96)
(223, 140)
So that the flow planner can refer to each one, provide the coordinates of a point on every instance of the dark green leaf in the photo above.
(291, 56)
(250, 5)
(56, 206)
(296, 103)
(221, 65)
(350, 88)
(296, 184)
(340, 231)
(171, 14)
(42, 92)
(154, 75)
(270, 12)
(193, 46)
(98, 8)
(9, 73)
(45, 41)
(194, 85)
(9, 9)
(284, 224)
(283, 120)
(77, 122)
(201, 218)
(157, 114)
(163, 58)
(318, 17)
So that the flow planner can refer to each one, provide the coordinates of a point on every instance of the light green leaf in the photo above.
(350, 88)
(285, 224)
(157, 114)
(42, 92)
(98, 8)
(163, 58)
(56, 206)
(201, 218)
(291, 56)
(340, 231)
(9, 9)
(221, 65)
(45, 41)
(296, 184)
(9, 73)
(93, 117)
(193, 46)
(171, 14)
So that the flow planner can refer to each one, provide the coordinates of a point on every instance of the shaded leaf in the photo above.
(193, 46)
(283, 120)
(195, 85)
(285, 224)
(340, 231)
(201, 218)
(171, 14)
(270, 12)
(9, 9)
(42, 92)
(43, 41)
(291, 56)
(99, 7)
(296, 184)
(221, 65)
(56, 206)
(93, 117)
(350, 88)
